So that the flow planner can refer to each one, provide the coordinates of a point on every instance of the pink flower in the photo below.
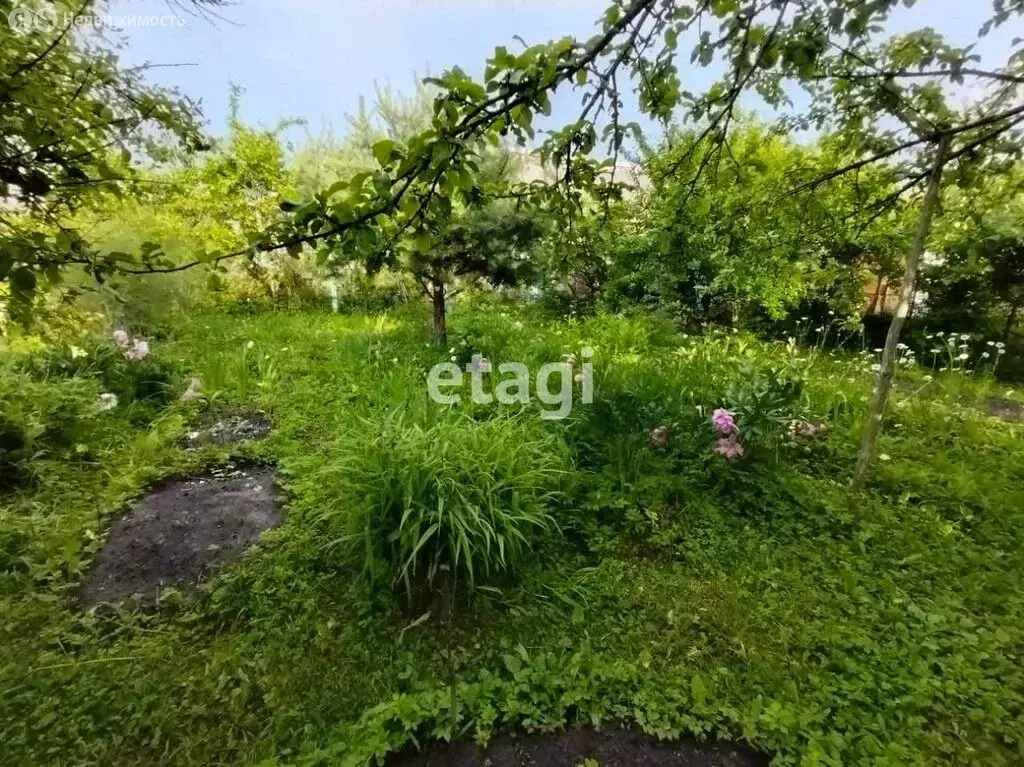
(120, 338)
(730, 447)
(724, 422)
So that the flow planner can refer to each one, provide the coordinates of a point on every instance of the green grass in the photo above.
(758, 600)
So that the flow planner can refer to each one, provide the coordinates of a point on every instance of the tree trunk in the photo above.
(878, 292)
(869, 444)
(885, 296)
(440, 311)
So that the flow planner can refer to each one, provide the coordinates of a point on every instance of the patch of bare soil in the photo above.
(1005, 409)
(237, 428)
(180, 533)
(610, 748)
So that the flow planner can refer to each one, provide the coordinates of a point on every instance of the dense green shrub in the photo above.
(446, 504)
(149, 382)
(54, 419)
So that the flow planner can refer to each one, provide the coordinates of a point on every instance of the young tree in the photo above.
(908, 285)
(479, 237)
(485, 243)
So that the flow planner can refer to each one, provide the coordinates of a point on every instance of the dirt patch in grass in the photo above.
(237, 428)
(573, 747)
(1005, 409)
(180, 533)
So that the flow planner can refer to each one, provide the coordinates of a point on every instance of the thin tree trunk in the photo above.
(440, 311)
(878, 292)
(869, 444)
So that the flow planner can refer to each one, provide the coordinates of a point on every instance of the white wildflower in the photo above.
(106, 401)
(192, 392)
(138, 352)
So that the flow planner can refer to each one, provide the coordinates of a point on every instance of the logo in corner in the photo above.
(25, 20)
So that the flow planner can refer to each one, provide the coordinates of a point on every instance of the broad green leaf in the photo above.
(24, 279)
(698, 691)
(382, 151)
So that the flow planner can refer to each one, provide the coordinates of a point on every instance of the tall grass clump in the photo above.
(443, 506)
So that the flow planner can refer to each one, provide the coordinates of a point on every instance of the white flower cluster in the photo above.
(106, 401)
(133, 349)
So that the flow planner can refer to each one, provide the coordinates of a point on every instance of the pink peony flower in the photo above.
(730, 447)
(120, 338)
(724, 422)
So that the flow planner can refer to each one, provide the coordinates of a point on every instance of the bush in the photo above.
(43, 420)
(447, 504)
(149, 382)
(387, 289)
(765, 401)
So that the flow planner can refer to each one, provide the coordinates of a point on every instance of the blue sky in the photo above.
(312, 59)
